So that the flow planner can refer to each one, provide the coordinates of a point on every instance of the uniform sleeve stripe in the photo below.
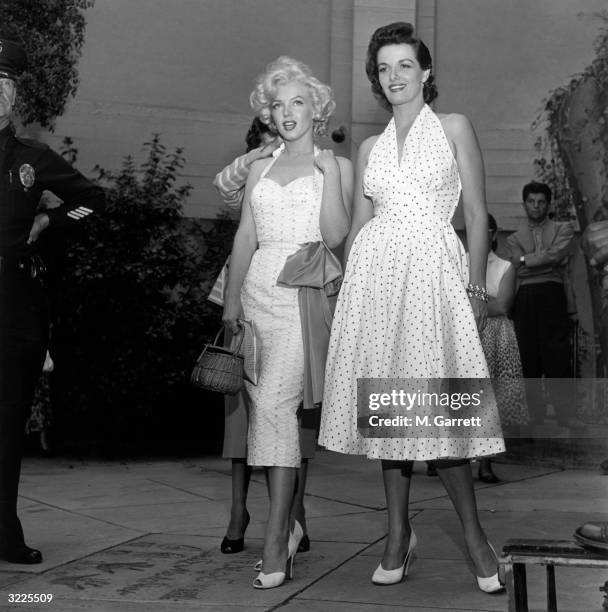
(84, 209)
(75, 215)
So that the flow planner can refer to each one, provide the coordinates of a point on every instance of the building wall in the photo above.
(496, 61)
(185, 69)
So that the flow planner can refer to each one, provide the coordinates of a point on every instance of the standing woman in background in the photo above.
(301, 196)
(500, 346)
(409, 306)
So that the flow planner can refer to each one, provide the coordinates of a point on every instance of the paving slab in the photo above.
(144, 534)
(358, 480)
(65, 536)
(209, 484)
(165, 568)
(447, 585)
(564, 490)
(183, 517)
(217, 515)
(7, 577)
(107, 605)
(357, 527)
(102, 491)
(130, 485)
(301, 604)
(431, 583)
(361, 527)
(440, 535)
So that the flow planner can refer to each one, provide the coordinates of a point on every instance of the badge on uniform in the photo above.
(27, 176)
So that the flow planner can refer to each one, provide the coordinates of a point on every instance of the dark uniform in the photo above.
(27, 168)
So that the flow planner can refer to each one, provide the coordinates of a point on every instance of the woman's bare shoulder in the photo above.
(366, 146)
(369, 142)
(454, 124)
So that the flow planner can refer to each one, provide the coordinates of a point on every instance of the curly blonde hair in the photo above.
(283, 70)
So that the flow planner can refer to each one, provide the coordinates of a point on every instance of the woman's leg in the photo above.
(298, 512)
(396, 476)
(458, 482)
(282, 481)
(241, 475)
(485, 473)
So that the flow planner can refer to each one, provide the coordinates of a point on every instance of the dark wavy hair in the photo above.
(255, 132)
(397, 34)
(535, 187)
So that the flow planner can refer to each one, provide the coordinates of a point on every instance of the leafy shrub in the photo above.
(132, 313)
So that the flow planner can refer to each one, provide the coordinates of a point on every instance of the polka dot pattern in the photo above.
(285, 218)
(403, 311)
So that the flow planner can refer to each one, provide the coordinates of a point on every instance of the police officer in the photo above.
(27, 168)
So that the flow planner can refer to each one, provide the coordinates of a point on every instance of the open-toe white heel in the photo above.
(384, 577)
(491, 584)
(295, 537)
(275, 579)
(269, 581)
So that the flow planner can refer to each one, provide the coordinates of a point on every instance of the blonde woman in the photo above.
(301, 196)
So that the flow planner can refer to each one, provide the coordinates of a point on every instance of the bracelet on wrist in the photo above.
(479, 293)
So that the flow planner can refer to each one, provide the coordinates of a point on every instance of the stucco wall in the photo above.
(496, 61)
(184, 69)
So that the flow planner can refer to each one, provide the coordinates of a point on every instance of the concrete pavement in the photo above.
(144, 535)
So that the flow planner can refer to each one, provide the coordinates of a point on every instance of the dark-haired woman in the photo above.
(410, 307)
(500, 347)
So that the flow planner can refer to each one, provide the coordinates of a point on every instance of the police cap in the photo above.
(13, 60)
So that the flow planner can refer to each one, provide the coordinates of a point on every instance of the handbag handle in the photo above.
(242, 334)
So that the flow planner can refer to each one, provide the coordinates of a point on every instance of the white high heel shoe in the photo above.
(384, 577)
(491, 584)
(269, 581)
(275, 579)
(292, 546)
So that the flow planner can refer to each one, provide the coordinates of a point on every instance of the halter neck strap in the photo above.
(276, 154)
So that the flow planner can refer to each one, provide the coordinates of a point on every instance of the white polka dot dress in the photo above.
(285, 218)
(403, 311)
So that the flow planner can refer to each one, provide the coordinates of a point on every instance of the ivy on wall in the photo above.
(560, 135)
(573, 160)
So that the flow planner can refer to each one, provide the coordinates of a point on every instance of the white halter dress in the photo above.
(403, 311)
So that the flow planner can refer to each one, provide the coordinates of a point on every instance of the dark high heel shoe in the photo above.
(304, 545)
(486, 474)
(229, 547)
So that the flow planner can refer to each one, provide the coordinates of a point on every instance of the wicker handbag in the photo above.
(219, 369)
